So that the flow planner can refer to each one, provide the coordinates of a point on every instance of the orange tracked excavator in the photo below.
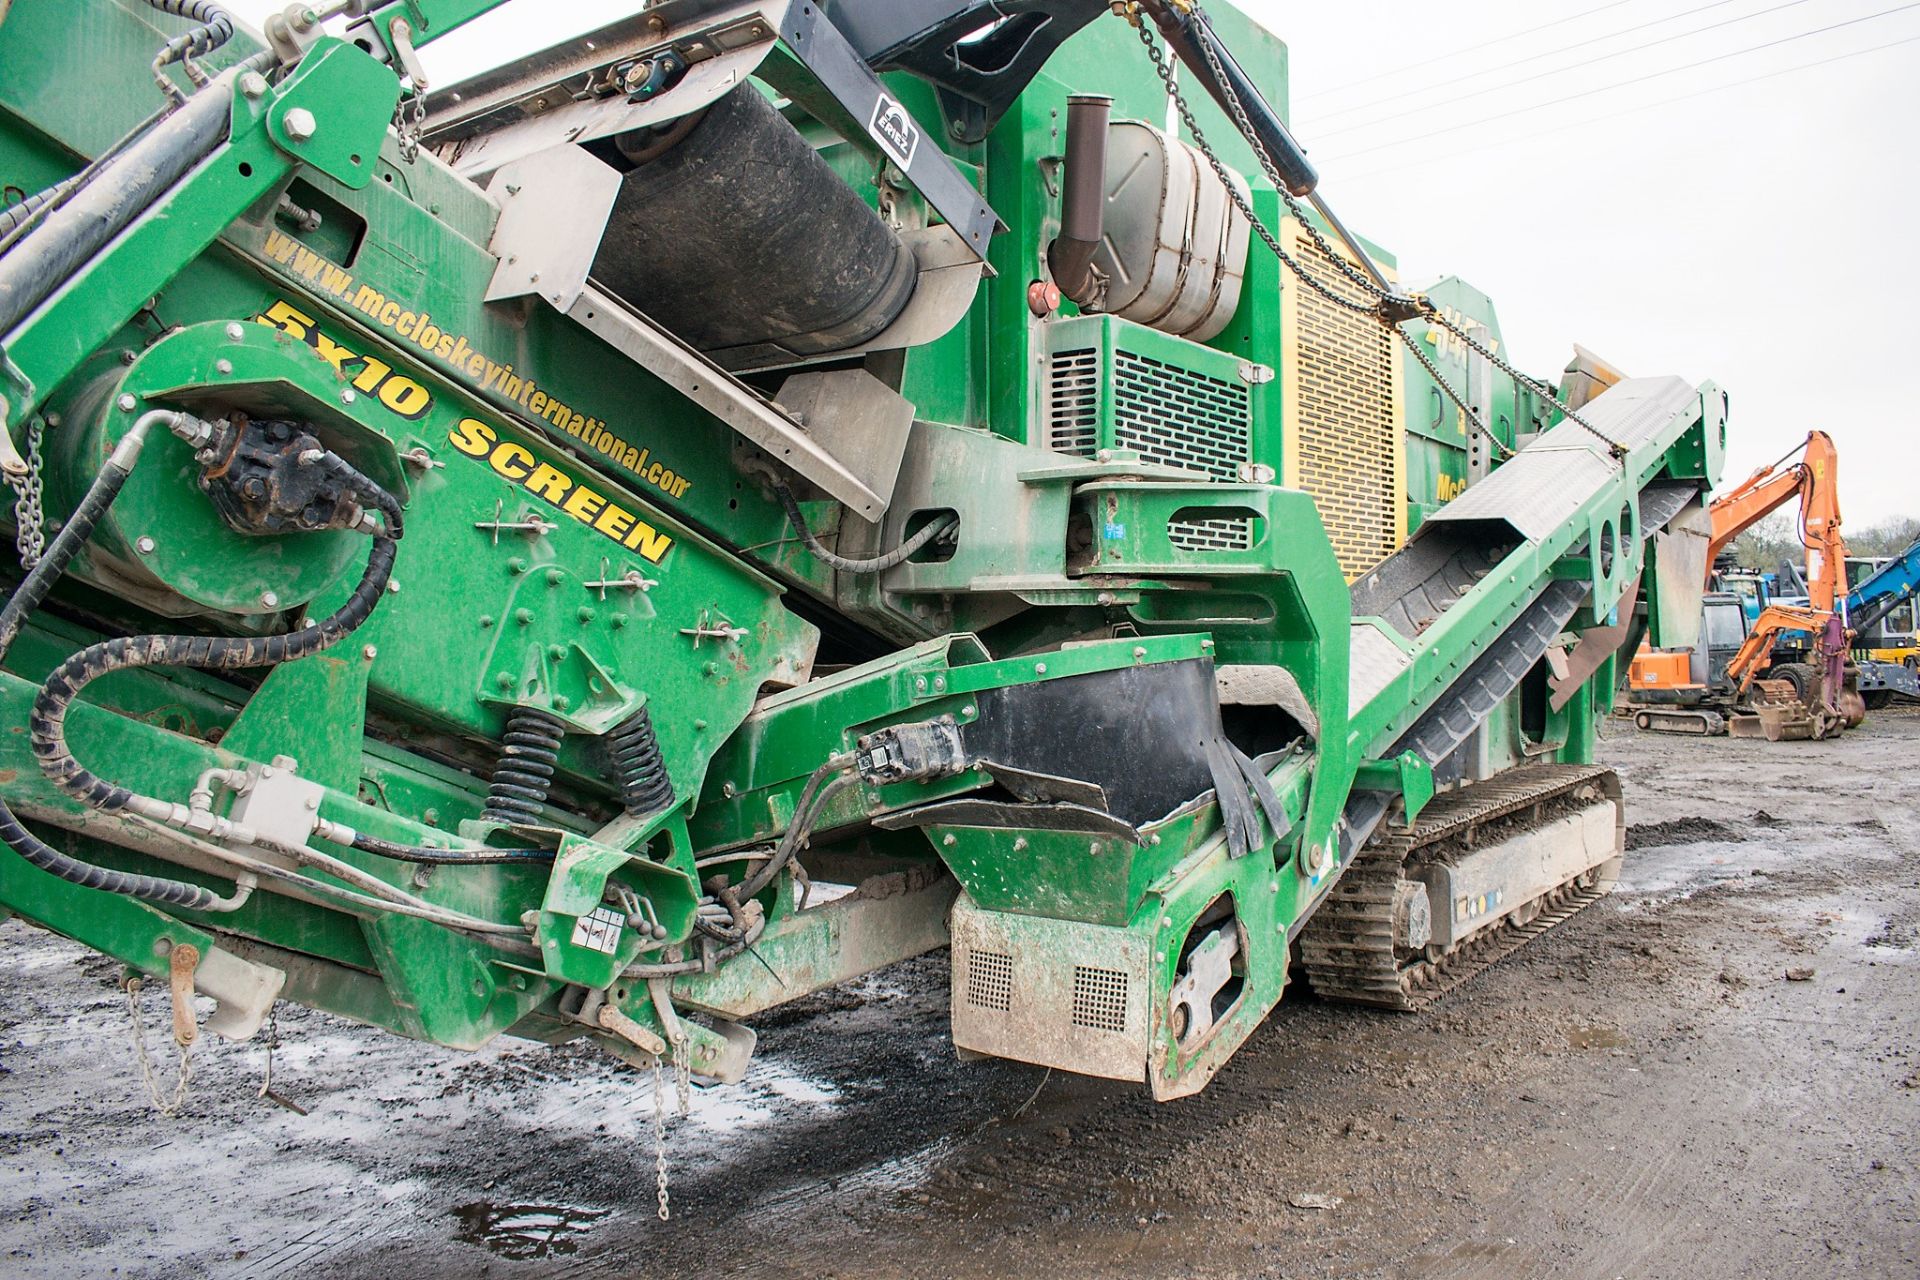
(1690, 691)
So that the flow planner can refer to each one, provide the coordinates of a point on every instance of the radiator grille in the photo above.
(1343, 419)
(989, 980)
(1073, 402)
(1165, 412)
(1178, 417)
(1099, 998)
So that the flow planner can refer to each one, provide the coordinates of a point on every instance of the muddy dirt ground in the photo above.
(1643, 1092)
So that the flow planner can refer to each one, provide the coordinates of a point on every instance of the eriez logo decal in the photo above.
(476, 439)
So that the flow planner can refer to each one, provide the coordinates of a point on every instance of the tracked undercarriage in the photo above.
(1483, 870)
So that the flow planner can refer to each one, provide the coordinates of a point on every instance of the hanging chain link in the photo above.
(28, 517)
(1380, 298)
(683, 1088)
(168, 1107)
(683, 1071)
(660, 1136)
(409, 118)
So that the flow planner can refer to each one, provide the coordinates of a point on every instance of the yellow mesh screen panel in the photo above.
(1342, 393)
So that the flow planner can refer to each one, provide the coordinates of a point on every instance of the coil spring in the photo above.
(638, 766)
(530, 748)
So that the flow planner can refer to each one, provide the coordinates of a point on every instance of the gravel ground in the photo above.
(1642, 1092)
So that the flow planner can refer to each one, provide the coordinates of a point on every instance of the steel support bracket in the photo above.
(332, 115)
(1406, 775)
(870, 109)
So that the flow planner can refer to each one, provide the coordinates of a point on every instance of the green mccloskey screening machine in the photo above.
(725, 504)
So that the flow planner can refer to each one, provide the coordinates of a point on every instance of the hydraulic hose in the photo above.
(99, 496)
(23, 217)
(210, 653)
(426, 855)
(215, 29)
(75, 231)
(875, 564)
(820, 787)
(18, 212)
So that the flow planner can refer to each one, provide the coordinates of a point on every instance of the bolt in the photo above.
(299, 124)
(728, 790)
(253, 85)
(1019, 844)
(556, 651)
(1273, 886)
(969, 710)
(523, 616)
(584, 614)
(146, 546)
(129, 356)
(516, 564)
(561, 703)
(1154, 839)
(699, 726)
(504, 680)
(1166, 922)
(1093, 848)
(555, 577)
(1139, 653)
(126, 404)
(370, 653)
(393, 587)
(618, 620)
(346, 395)
(271, 599)
(236, 331)
(939, 684)
(486, 620)
(223, 367)
(949, 840)
(1039, 668)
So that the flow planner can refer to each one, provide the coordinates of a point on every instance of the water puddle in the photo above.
(523, 1232)
(1596, 1038)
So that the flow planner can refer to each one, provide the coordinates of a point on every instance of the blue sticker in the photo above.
(1115, 531)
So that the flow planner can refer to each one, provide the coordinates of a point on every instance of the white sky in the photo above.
(1758, 235)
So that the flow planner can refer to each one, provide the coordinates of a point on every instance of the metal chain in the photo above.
(28, 517)
(1165, 72)
(166, 1107)
(660, 1136)
(409, 118)
(683, 1071)
(273, 1042)
(1430, 313)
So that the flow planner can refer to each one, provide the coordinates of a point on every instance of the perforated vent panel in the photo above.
(1161, 409)
(1179, 417)
(989, 980)
(1073, 402)
(1099, 998)
(1343, 420)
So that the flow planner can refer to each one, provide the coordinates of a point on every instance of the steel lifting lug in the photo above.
(182, 960)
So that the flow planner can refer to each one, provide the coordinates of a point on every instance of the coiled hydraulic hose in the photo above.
(874, 564)
(99, 496)
(215, 29)
(47, 725)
